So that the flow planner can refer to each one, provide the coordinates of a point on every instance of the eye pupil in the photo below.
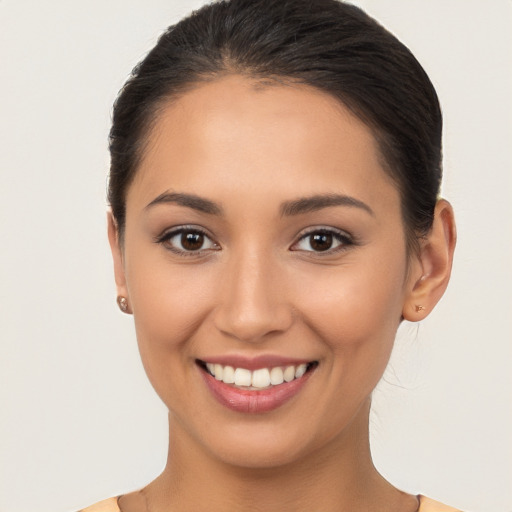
(192, 241)
(321, 241)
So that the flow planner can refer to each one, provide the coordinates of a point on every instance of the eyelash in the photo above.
(166, 237)
(344, 241)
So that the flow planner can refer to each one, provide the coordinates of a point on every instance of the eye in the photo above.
(187, 240)
(322, 241)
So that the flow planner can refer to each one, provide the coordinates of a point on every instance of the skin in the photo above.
(258, 288)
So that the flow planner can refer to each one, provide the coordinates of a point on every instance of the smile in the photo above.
(258, 390)
(261, 378)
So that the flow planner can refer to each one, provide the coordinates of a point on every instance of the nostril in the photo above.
(253, 326)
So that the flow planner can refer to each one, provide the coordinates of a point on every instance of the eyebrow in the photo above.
(318, 202)
(188, 200)
(289, 208)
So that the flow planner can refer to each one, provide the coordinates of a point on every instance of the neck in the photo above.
(340, 476)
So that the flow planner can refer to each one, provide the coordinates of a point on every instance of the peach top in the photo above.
(426, 505)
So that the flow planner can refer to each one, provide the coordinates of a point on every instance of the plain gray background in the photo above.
(79, 422)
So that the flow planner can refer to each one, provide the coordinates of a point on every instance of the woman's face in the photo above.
(261, 234)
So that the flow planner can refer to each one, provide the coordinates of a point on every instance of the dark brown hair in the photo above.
(326, 44)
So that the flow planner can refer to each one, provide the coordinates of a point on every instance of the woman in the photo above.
(275, 216)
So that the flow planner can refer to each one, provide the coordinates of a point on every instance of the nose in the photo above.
(252, 303)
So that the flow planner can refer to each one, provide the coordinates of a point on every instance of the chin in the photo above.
(262, 455)
(269, 444)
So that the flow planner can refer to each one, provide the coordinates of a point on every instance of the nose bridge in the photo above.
(253, 300)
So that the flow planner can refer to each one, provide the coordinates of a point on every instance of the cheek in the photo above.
(169, 306)
(355, 310)
(354, 315)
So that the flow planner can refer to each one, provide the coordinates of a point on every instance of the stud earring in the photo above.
(419, 308)
(122, 302)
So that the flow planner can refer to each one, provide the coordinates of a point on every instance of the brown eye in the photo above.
(192, 241)
(189, 241)
(321, 241)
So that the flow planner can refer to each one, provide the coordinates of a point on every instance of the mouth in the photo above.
(258, 379)
(255, 390)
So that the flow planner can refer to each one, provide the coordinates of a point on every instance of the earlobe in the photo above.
(118, 260)
(435, 259)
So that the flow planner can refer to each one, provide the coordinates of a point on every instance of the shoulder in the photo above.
(109, 505)
(429, 505)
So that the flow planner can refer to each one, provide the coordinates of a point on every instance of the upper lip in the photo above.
(256, 362)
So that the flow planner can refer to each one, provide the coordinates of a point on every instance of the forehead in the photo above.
(236, 134)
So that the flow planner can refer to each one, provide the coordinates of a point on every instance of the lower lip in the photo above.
(250, 401)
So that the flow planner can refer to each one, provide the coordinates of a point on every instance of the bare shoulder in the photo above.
(109, 505)
(430, 505)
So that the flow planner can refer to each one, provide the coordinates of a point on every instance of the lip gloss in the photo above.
(253, 401)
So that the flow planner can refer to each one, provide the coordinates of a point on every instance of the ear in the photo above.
(117, 256)
(435, 265)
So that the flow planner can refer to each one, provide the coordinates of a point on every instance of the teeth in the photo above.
(243, 377)
(276, 376)
(218, 371)
(289, 373)
(261, 378)
(301, 370)
(229, 375)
